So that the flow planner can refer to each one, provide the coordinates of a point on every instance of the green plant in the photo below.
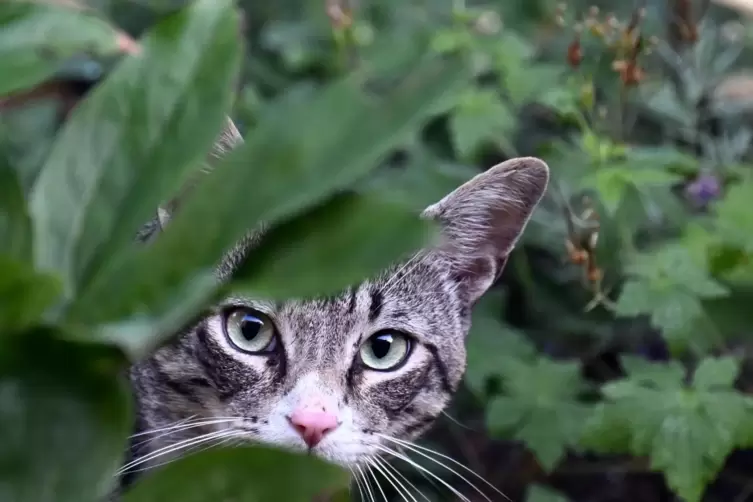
(81, 299)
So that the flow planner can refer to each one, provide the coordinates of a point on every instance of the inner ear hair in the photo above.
(228, 139)
(483, 219)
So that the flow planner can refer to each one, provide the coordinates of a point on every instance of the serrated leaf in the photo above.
(535, 391)
(338, 244)
(674, 265)
(296, 163)
(716, 372)
(687, 432)
(676, 312)
(530, 82)
(36, 37)
(734, 220)
(131, 143)
(662, 375)
(251, 474)
(606, 430)
(490, 342)
(537, 493)
(480, 119)
(636, 298)
(52, 395)
(611, 182)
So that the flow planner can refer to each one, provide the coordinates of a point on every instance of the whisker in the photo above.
(358, 485)
(173, 448)
(181, 428)
(388, 475)
(413, 463)
(367, 484)
(376, 482)
(420, 449)
(394, 472)
(191, 450)
(181, 423)
(457, 422)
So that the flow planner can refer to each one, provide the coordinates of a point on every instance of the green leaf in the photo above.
(344, 241)
(668, 286)
(636, 298)
(36, 37)
(662, 375)
(537, 493)
(26, 136)
(15, 227)
(132, 141)
(490, 343)
(734, 220)
(531, 82)
(64, 419)
(687, 432)
(297, 164)
(24, 295)
(250, 474)
(716, 372)
(534, 393)
(480, 119)
(611, 182)
(675, 265)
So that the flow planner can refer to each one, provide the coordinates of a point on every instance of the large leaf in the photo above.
(36, 37)
(686, 430)
(130, 144)
(64, 420)
(24, 294)
(345, 240)
(15, 227)
(536, 391)
(250, 474)
(288, 164)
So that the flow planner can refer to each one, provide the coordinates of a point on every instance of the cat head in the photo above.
(351, 376)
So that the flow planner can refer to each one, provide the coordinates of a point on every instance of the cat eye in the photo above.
(385, 350)
(250, 331)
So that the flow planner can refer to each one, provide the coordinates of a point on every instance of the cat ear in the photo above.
(483, 219)
(229, 138)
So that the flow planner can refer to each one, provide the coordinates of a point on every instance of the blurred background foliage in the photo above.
(613, 360)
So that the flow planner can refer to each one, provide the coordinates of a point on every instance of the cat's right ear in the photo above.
(483, 219)
(229, 138)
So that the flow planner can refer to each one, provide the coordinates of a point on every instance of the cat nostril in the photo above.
(312, 426)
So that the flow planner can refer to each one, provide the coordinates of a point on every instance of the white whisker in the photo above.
(366, 484)
(395, 473)
(420, 449)
(180, 428)
(402, 491)
(376, 482)
(166, 450)
(358, 485)
(413, 463)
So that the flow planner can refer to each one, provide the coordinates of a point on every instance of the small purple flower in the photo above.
(704, 189)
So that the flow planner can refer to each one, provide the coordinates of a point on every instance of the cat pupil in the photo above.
(250, 327)
(380, 346)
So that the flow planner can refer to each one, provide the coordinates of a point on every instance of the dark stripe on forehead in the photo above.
(377, 302)
(352, 300)
(441, 368)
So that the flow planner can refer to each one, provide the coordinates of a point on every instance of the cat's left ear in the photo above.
(483, 219)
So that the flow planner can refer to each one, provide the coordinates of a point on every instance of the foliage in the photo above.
(616, 341)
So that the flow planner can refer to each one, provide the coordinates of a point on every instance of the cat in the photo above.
(348, 377)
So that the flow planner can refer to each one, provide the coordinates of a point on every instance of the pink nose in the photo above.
(313, 424)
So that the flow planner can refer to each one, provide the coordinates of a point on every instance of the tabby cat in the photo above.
(347, 378)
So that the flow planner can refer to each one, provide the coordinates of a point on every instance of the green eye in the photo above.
(250, 331)
(385, 350)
